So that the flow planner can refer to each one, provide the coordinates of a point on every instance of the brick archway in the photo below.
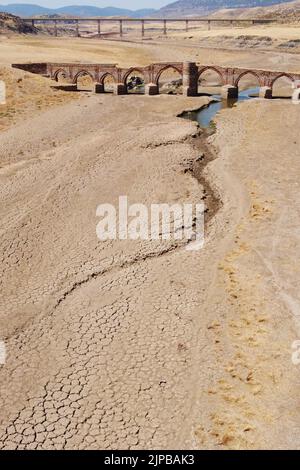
(259, 77)
(59, 71)
(133, 69)
(135, 86)
(163, 69)
(105, 75)
(283, 74)
(214, 69)
(104, 81)
(83, 73)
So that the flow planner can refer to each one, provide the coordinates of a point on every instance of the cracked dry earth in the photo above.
(131, 344)
(99, 335)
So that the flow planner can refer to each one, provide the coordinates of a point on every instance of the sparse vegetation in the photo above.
(26, 93)
(13, 24)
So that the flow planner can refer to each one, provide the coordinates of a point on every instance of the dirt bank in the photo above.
(253, 400)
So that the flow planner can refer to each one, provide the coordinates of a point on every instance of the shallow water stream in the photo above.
(205, 116)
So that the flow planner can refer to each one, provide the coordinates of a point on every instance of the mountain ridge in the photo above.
(28, 9)
(204, 7)
(284, 12)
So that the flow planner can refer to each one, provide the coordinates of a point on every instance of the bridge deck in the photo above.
(97, 18)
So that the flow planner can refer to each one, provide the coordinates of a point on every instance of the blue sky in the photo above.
(130, 4)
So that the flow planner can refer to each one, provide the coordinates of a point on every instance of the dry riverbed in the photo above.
(136, 344)
(132, 344)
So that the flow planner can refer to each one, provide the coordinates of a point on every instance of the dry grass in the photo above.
(26, 94)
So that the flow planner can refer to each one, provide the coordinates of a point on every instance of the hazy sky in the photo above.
(130, 4)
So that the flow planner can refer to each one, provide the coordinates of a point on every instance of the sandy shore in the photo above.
(143, 344)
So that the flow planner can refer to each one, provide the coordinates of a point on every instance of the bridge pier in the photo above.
(229, 91)
(99, 88)
(151, 89)
(120, 89)
(72, 87)
(265, 92)
(296, 96)
(190, 79)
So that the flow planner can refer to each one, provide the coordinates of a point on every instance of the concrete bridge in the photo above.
(190, 73)
(121, 21)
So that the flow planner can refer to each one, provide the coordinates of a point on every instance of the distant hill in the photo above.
(13, 24)
(205, 7)
(83, 10)
(25, 9)
(284, 12)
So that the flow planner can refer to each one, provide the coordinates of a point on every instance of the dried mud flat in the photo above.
(131, 344)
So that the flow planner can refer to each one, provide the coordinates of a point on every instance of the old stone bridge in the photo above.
(190, 72)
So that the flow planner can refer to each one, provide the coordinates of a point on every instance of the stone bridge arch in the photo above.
(159, 83)
(214, 69)
(282, 88)
(83, 73)
(103, 74)
(56, 73)
(250, 73)
(140, 72)
(126, 73)
(164, 68)
(84, 80)
(253, 73)
(105, 77)
(281, 75)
